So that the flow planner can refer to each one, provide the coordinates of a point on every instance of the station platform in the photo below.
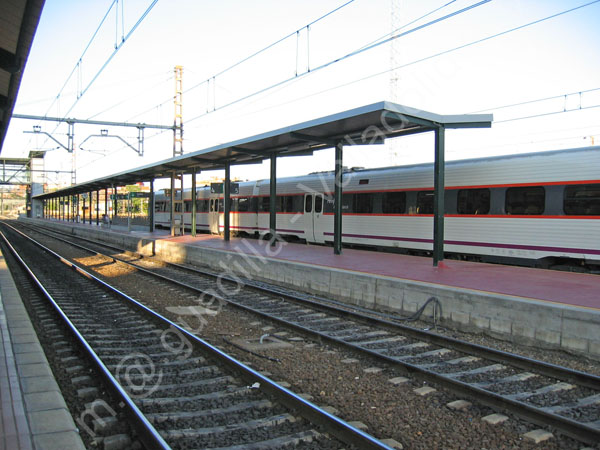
(543, 307)
(34, 413)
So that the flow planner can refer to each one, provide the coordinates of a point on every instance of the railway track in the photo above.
(552, 396)
(177, 390)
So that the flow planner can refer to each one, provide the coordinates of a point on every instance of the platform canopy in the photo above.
(370, 124)
(18, 23)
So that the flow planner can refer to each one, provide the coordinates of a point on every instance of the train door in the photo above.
(313, 217)
(213, 215)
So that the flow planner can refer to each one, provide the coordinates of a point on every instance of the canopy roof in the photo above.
(370, 124)
(18, 23)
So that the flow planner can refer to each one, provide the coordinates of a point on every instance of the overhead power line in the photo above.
(289, 80)
(349, 55)
(249, 57)
(528, 102)
(80, 59)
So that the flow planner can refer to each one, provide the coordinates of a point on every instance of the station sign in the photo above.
(139, 194)
(217, 188)
(130, 195)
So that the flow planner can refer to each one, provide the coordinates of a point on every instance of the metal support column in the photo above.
(77, 215)
(97, 208)
(106, 202)
(337, 200)
(91, 216)
(273, 199)
(114, 202)
(151, 206)
(69, 212)
(83, 211)
(227, 201)
(438, 197)
(172, 212)
(194, 208)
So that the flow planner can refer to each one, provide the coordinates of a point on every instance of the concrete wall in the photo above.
(519, 320)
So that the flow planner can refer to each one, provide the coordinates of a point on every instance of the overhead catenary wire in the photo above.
(117, 48)
(207, 81)
(538, 100)
(78, 64)
(347, 56)
(445, 52)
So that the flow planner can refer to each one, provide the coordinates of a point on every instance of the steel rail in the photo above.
(547, 369)
(568, 426)
(147, 433)
(334, 425)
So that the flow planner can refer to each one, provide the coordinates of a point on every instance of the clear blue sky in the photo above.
(552, 58)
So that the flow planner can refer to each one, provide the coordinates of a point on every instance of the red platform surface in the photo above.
(575, 289)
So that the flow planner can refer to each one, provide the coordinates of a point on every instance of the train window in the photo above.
(394, 203)
(243, 204)
(582, 199)
(188, 206)
(425, 202)
(346, 203)
(308, 205)
(222, 204)
(473, 201)
(265, 204)
(178, 207)
(201, 206)
(528, 200)
(362, 203)
(318, 203)
(159, 207)
(212, 204)
(291, 203)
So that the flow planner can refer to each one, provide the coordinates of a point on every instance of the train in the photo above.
(536, 209)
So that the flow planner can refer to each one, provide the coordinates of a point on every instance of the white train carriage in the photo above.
(538, 208)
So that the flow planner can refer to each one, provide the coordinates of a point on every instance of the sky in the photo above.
(493, 55)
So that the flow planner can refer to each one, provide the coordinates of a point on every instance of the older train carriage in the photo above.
(536, 209)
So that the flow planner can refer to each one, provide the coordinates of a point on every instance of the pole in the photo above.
(438, 197)
(151, 206)
(337, 213)
(172, 212)
(194, 208)
(227, 201)
(273, 199)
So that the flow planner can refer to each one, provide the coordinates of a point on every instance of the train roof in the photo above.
(543, 155)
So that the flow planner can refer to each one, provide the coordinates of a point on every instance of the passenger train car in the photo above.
(539, 209)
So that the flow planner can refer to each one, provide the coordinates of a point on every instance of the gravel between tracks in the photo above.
(311, 367)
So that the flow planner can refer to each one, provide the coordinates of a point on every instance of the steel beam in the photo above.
(438, 196)
(194, 208)
(94, 122)
(172, 212)
(227, 201)
(273, 199)
(337, 199)
(151, 207)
